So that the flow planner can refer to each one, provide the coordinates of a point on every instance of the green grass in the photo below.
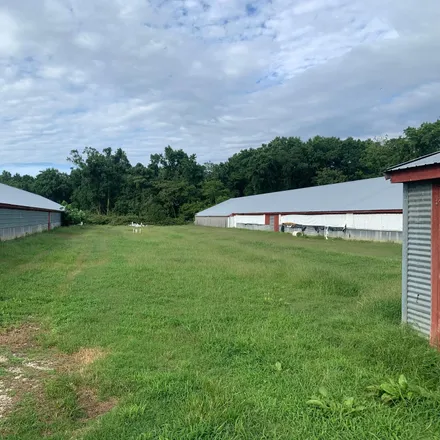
(217, 334)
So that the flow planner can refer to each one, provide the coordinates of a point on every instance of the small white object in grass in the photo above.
(3, 359)
(38, 366)
(136, 227)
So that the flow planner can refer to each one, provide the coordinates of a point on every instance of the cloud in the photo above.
(210, 77)
(8, 34)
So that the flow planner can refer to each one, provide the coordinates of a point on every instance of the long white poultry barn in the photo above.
(368, 209)
(23, 213)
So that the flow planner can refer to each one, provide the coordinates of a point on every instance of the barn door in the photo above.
(276, 223)
(435, 265)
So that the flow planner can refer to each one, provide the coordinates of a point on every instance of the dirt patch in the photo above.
(15, 382)
(20, 338)
(23, 372)
(6, 401)
(91, 405)
(86, 356)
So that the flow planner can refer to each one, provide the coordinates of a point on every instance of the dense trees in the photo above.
(173, 186)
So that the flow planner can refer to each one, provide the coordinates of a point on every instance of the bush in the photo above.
(119, 220)
(73, 216)
(112, 219)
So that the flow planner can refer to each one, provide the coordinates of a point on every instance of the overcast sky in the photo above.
(209, 76)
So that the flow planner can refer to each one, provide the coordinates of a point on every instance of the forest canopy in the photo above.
(173, 186)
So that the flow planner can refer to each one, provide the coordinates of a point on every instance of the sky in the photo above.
(209, 76)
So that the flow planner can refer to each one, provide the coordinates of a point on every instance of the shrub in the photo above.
(73, 216)
(119, 220)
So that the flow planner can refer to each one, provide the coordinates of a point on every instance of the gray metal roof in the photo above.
(17, 197)
(375, 194)
(430, 159)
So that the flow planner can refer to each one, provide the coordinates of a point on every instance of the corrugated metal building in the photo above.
(421, 243)
(368, 209)
(23, 213)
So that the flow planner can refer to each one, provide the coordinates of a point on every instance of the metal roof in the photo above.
(17, 197)
(429, 159)
(375, 194)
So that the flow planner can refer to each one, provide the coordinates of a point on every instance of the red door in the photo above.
(48, 221)
(435, 265)
(276, 223)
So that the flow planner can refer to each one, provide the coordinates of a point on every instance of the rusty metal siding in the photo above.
(417, 250)
(217, 222)
(18, 223)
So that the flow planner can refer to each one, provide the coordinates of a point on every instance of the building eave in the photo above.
(359, 212)
(417, 174)
(28, 208)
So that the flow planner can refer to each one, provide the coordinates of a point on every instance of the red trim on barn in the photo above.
(266, 219)
(26, 208)
(435, 266)
(414, 174)
(48, 221)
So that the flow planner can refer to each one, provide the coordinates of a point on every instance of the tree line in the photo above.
(173, 186)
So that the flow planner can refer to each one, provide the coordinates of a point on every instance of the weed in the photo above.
(394, 391)
(332, 406)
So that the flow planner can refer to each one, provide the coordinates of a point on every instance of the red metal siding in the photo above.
(435, 265)
(415, 174)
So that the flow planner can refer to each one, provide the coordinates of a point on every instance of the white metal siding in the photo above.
(378, 222)
(368, 222)
(417, 292)
(249, 219)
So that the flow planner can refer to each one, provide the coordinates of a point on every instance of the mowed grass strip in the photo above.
(215, 334)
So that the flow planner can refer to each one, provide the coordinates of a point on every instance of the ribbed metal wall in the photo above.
(55, 219)
(19, 222)
(217, 222)
(416, 309)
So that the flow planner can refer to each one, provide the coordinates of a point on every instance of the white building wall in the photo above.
(335, 220)
(372, 222)
(250, 219)
(378, 222)
(246, 219)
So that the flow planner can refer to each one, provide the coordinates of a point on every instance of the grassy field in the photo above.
(196, 333)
